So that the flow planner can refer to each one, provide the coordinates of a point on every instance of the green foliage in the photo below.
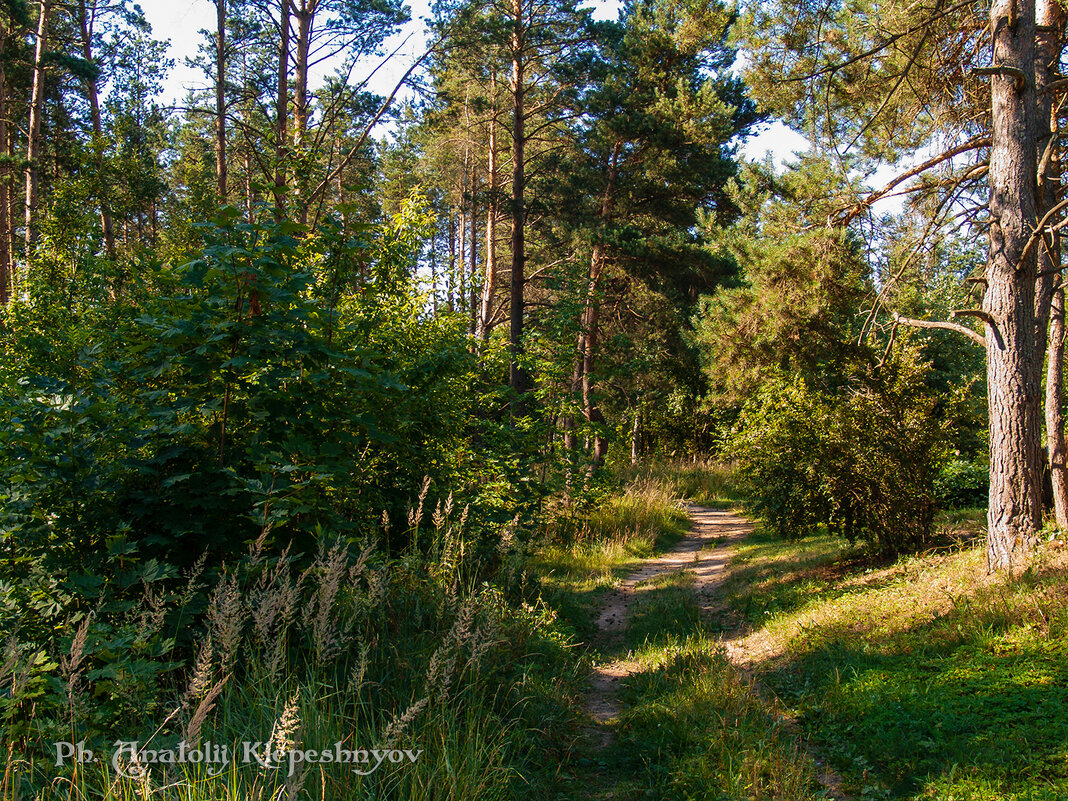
(862, 462)
(962, 484)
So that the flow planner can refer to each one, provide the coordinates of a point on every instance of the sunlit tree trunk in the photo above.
(489, 282)
(106, 225)
(281, 109)
(472, 258)
(1013, 352)
(220, 99)
(33, 133)
(517, 376)
(1049, 307)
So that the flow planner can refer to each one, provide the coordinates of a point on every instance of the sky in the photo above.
(180, 21)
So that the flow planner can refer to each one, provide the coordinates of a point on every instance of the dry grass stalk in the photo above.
(207, 703)
(227, 616)
(286, 730)
(200, 681)
(399, 725)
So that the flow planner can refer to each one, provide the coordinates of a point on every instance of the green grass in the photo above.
(583, 559)
(917, 679)
(692, 726)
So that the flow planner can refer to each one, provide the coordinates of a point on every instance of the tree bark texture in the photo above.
(33, 146)
(517, 377)
(1013, 352)
(281, 110)
(1058, 454)
(7, 265)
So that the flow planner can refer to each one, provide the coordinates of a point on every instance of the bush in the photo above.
(961, 483)
(861, 461)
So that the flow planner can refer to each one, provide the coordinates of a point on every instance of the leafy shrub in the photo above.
(961, 483)
(861, 462)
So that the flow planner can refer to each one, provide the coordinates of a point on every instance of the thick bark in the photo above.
(281, 110)
(1058, 454)
(1013, 355)
(33, 146)
(220, 99)
(106, 226)
(517, 376)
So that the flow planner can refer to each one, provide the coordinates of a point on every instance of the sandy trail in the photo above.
(711, 527)
(706, 551)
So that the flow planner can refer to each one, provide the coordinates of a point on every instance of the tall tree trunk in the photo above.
(473, 259)
(517, 376)
(305, 17)
(1012, 349)
(220, 99)
(1058, 453)
(7, 265)
(634, 435)
(448, 278)
(588, 335)
(460, 274)
(1049, 309)
(106, 226)
(590, 409)
(281, 110)
(489, 283)
(33, 134)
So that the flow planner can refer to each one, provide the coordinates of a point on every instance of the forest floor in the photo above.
(669, 714)
(736, 665)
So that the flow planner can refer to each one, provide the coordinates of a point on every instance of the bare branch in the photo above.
(975, 336)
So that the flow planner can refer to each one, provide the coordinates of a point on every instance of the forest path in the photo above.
(705, 552)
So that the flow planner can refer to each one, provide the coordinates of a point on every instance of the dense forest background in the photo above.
(296, 377)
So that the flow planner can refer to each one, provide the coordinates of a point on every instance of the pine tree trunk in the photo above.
(33, 146)
(635, 431)
(592, 321)
(489, 284)
(588, 337)
(1013, 353)
(300, 93)
(1049, 308)
(517, 377)
(281, 111)
(220, 100)
(7, 283)
(1058, 454)
(472, 257)
(106, 225)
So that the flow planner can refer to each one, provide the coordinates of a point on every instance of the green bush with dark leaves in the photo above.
(861, 461)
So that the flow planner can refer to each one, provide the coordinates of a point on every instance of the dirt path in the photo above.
(705, 552)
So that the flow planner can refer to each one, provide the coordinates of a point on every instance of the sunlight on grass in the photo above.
(924, 678)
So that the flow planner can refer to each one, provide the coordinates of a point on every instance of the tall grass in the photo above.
(427, 656)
